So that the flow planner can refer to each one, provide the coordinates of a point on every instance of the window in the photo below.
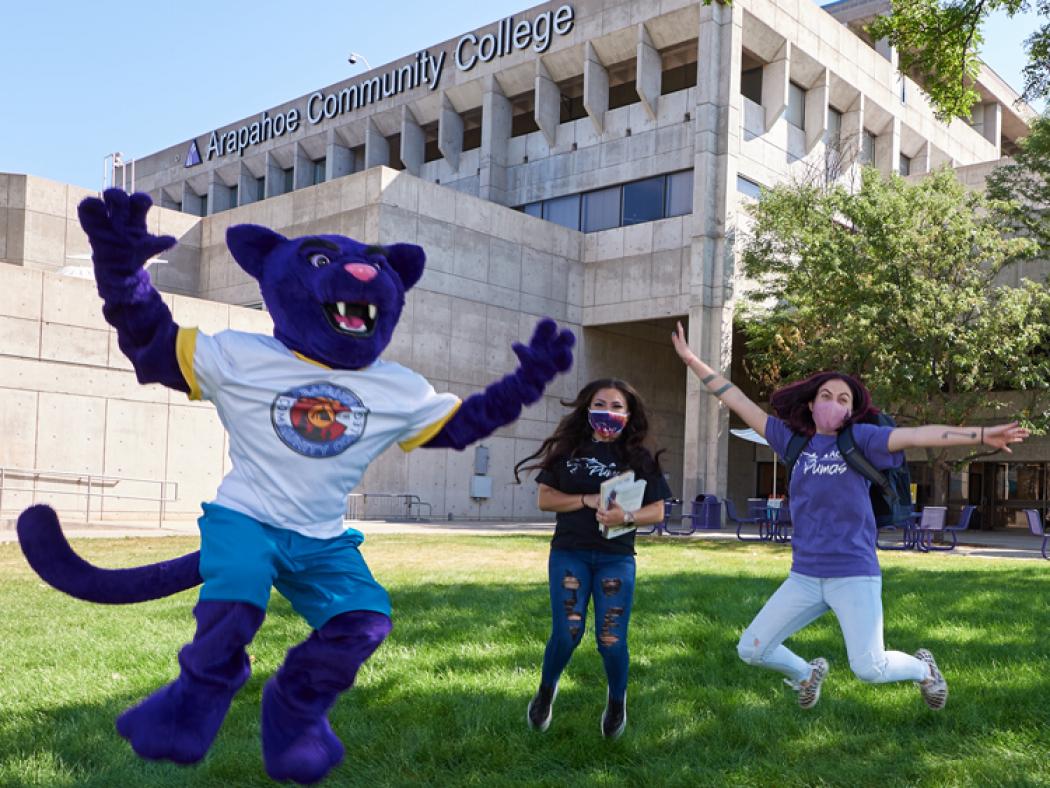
(260, 188)
(678, 78)
(643, 201)
(534, 209)
(796, 108)
(317, 176)
(233, 196)
(867, 148)
(679, 193)
(564, 211)
(905, 165)
(751, 84)
(601, 209)
(834, 136)
(748, 188)
(287, 180)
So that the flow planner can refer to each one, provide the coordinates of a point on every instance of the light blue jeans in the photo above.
(857, 604)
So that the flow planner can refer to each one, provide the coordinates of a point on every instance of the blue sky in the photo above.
(81, 80)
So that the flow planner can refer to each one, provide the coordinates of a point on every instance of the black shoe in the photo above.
(540, 708)
(614, 718)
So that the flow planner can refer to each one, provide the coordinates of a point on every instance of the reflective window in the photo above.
(288, 180)
(748, 187)
(318, 171)
(563, 210)
(796, 108)
(679, 193)
(905, 165)
(534, 209)
(601, 209)
(260, 188)
(643, 201)
(834, 136)
(867, 148)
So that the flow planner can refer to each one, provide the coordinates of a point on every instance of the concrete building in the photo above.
(583, 160)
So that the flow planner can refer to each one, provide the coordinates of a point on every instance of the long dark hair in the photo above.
(574, 433)
(791, 403)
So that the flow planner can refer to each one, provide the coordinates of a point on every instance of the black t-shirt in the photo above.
(583, 475)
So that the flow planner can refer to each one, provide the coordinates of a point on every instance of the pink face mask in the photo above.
(829, 415)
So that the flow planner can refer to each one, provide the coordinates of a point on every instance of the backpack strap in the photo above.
(794, 448)
(855, 459)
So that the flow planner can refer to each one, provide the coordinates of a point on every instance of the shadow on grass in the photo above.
(443, 701)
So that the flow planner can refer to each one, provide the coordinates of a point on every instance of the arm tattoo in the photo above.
(722, 390)
(709, 378)
(951, 434)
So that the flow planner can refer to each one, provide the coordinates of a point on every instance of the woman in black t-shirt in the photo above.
(602, 437)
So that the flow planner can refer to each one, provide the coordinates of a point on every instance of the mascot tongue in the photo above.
(350, 321)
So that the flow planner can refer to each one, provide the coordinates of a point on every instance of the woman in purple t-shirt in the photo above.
(833, 541)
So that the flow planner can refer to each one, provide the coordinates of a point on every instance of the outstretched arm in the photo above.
(998, 437)
(120, 247)
(717, 385)
(548, 353)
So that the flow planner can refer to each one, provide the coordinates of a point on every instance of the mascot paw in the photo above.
(172, 724)
(548, 353)
(295, 749)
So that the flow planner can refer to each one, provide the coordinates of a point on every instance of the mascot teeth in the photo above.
(372, 311)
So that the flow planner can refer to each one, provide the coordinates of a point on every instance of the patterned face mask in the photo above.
(608, 424)
(829, 415)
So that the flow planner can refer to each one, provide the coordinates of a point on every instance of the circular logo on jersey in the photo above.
(319, 419)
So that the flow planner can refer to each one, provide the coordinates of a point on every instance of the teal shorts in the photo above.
(242, 558)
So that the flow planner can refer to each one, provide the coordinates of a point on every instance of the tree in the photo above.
(1025, 184)
(938, 44)
(896, 283)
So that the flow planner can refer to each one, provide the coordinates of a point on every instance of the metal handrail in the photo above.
(102, 483)
(356, 503)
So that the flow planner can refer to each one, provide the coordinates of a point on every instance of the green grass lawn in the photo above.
(443, 700)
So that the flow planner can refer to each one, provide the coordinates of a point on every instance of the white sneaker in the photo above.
(934, 689)
(541, 708)
(614, 718)
(809, 689)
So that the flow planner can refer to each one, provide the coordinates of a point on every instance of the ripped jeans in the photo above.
(856, 602)
(575, 577)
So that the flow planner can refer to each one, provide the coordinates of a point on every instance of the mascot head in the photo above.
(332, 299)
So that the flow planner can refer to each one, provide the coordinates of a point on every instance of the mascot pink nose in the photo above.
(361, 271)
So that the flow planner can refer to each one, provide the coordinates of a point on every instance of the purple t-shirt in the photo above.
(833, 527)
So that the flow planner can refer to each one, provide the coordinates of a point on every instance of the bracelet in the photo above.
(583, 503)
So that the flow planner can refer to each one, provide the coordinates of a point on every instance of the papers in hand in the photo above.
(625, 491)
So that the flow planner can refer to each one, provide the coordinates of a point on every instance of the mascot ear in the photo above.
(250, 244)
(407, 260)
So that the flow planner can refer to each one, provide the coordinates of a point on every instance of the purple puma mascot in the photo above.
(306, 410)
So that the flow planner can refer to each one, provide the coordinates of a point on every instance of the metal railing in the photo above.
(380, 506)
(34, 485)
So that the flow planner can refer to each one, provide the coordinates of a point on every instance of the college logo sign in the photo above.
(193, 155)
(319, 419)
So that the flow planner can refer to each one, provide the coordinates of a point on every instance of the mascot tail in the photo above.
(50, 555)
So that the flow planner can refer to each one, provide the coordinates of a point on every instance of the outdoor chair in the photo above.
(1035, 525)
(962, 525)
(930, 525)
(908, 533)
(733, 517)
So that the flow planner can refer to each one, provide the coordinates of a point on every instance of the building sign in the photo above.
(426, 68)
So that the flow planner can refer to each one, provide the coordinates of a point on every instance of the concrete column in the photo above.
(377, 149)
(338, 160)
(413, 141)
(775, 78)
(495, 138)
(546, 108)
(853, 131)
(192, 202)
(450, 133)
(648, 71)
(219, 196)
(817, 110)
(993, 125)
(888, 148)
(920, 162)
(245, 186)
(595, 88)
(274, 176)
(303, 169)
(711, 259)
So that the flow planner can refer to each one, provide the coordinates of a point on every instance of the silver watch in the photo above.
(628, 518)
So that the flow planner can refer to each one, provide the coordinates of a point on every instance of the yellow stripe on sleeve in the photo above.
(429, 431)
(185, 348)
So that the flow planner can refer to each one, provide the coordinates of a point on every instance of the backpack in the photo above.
(890, 489)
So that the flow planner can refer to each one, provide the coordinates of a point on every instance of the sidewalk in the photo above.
(1011, 543)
